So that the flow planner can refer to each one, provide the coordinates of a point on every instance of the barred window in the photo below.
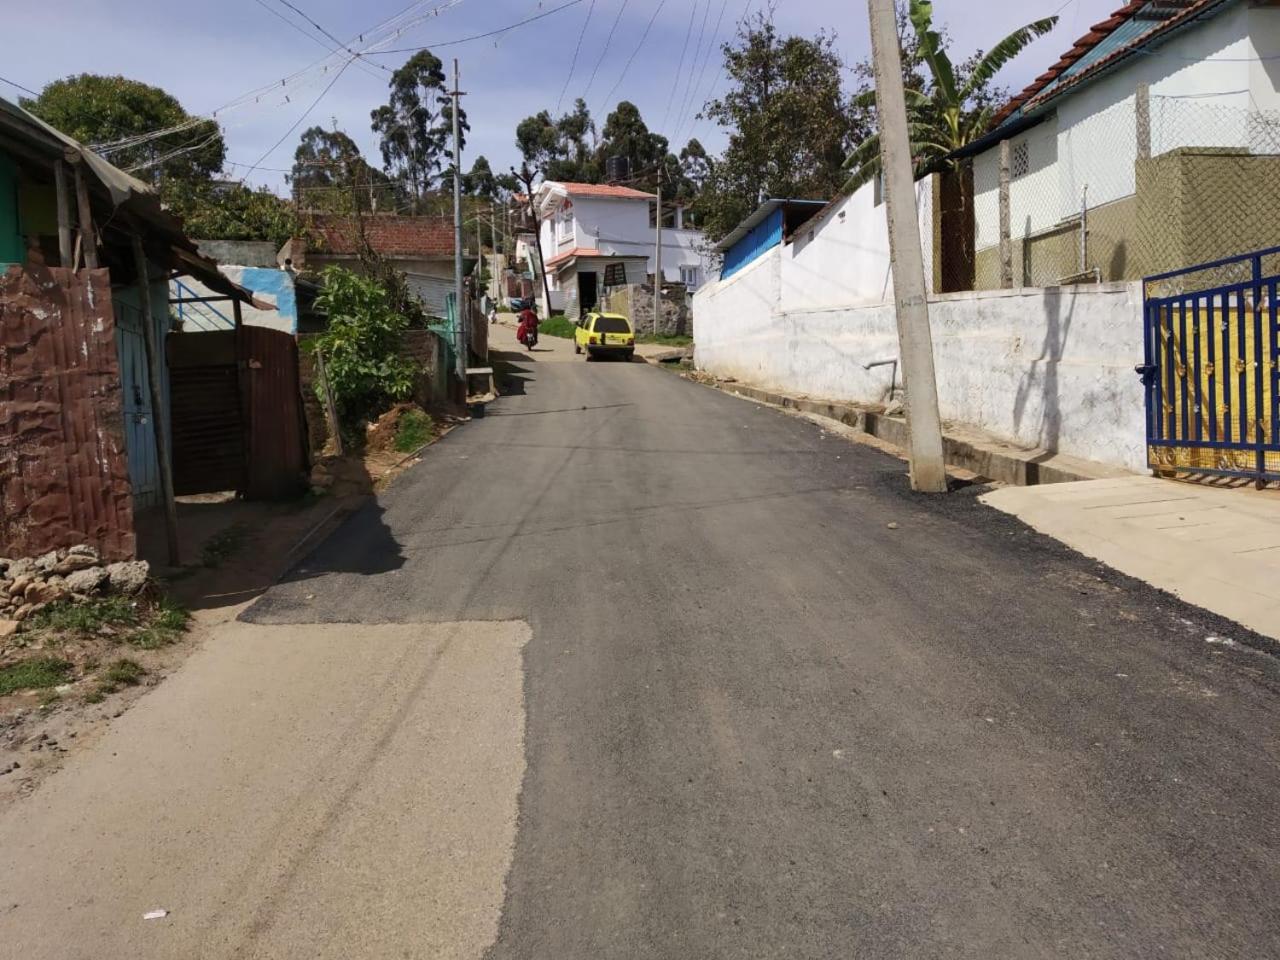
(1020, 160)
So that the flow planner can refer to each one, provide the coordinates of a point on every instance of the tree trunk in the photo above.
(956, 222)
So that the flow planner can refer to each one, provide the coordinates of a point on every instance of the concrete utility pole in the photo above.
(928, 473)
(459, 319)
(657, 260)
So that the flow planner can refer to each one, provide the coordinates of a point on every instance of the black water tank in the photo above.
(616, 169)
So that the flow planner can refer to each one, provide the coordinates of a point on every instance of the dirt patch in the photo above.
(73, 668)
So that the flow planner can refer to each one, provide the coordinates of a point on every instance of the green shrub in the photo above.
(362, 347)
(413, 430)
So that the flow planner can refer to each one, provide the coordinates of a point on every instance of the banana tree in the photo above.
(943, 118)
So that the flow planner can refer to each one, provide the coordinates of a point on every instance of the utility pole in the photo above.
(495, 284)
(915, 343)
(657, 258)
(525, 176)
(459, 320)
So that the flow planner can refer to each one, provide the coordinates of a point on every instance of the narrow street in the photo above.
(631, 668)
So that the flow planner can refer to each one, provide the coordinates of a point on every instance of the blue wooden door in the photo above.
(144, 470)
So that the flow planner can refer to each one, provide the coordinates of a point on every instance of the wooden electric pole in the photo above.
(915, 344)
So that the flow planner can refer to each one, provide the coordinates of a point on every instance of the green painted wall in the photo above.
(1198, 204)
(12, 249)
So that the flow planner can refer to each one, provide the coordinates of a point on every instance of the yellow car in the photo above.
(605, 334)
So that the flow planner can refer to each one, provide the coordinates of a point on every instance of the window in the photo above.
(689, 277)
(1019, 160)
(877, 195)
(606, 324)
(564, 223)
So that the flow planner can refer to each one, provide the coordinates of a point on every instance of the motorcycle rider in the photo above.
(527, 331)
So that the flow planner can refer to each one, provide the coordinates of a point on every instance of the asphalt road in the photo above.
(762, 722)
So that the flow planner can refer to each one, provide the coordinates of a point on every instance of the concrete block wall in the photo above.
(1050, 367)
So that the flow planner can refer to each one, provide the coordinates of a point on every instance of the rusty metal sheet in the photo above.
(64, 473)
(277, 451)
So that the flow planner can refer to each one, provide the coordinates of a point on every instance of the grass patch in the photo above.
(137, 623)
(665, 339)
(70, 617)
(224, 545)
(125, 673)
(38, 673)
(558, 326)
(413, 431)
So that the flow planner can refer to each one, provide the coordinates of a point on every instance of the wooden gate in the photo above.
(237, 413)
(207, 422)
(277, 449)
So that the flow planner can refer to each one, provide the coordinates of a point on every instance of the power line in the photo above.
(690, 112)
(742, 18)
(697, 52)
(487, 33)
(19, 86)
(574, 62)
(306, 113)
(344, 46)
(605, 50)
(631, 59)
(675, 85)
(310, 36)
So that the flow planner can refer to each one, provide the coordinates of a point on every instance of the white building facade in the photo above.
(596, 236)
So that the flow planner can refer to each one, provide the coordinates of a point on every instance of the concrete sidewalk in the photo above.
(1214, 547)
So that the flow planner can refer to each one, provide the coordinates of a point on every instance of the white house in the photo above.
(1209, 70)
(596, 236)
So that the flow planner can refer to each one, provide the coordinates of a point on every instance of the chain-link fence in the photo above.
(1139, 188)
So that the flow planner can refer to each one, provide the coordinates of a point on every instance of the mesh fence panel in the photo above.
(1087, 203)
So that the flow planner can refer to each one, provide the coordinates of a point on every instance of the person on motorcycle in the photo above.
(527, 331)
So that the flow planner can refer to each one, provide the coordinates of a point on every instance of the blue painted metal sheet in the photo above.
(144, 469)
(760, 238)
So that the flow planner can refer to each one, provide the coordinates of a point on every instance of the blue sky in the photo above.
(209, 54)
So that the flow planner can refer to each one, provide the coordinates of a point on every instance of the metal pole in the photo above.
(461, 335)
(159, 416)
(915, 343)
(1006, 233)
(657, 260)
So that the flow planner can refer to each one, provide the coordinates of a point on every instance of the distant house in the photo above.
(421, 247)
(1151, 144)
(598, 236)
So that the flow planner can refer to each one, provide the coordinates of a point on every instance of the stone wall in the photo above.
(635, 301)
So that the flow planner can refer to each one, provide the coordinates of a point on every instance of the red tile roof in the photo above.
(587, 253)
(603, 190)
(389, 235)
(1096, 34)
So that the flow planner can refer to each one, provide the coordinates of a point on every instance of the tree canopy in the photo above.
(415, 125)
(788, 120)
(102, 111)
(948, 106)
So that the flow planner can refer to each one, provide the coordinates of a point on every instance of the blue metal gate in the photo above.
(1211, 350)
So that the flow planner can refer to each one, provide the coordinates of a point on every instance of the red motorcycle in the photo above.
(527, 331)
